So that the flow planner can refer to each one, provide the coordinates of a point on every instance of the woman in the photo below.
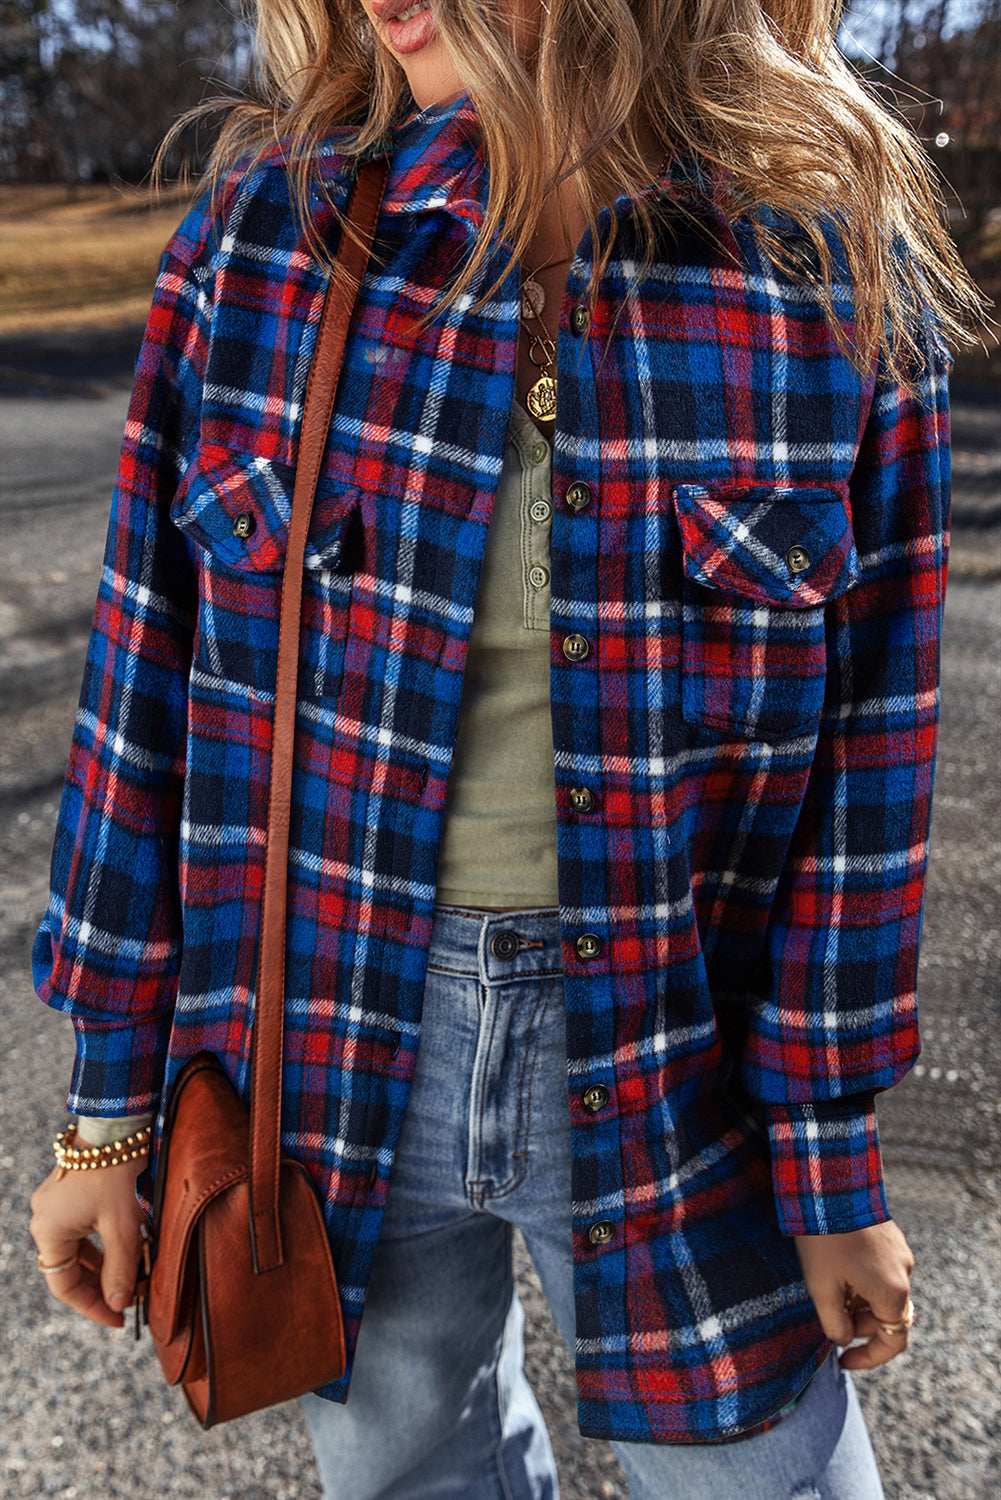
(616, 725)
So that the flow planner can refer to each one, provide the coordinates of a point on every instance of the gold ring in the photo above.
(896, 1329)
(65, 1265)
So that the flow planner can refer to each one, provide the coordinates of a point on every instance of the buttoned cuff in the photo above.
(827, 1172)
(118, 1069)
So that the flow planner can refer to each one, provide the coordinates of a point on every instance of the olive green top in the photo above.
(498, 844)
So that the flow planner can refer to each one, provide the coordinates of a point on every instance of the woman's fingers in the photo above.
(79, 1285)
(858, 1281)
(66, 1209)
(121, 1262)
(835, 1319)
(880, 1346)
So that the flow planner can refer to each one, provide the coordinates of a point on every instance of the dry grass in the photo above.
(80, 256)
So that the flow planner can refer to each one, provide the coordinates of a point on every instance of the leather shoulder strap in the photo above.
(265, 1104)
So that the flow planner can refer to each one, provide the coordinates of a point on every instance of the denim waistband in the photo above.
(496, 946)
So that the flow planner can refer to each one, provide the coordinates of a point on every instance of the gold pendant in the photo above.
(541, 399)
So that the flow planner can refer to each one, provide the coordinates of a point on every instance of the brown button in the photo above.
(581, 799)
(244, 524)
(797, 559)
(595, 1098)
(580, 320)
(601, 1233)
(579, 495)
(576, 648)
(589, 945)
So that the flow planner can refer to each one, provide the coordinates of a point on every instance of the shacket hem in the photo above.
(612, 1432)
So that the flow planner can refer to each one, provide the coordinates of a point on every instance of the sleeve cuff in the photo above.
(103, 1130)
(118, 1069)
(827, 1172)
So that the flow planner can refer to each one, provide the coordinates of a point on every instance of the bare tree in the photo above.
(938, 64)
(91, 91)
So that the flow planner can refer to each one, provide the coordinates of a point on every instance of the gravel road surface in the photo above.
(87, 1417)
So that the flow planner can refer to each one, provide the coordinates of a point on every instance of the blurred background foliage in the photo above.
(89, 87)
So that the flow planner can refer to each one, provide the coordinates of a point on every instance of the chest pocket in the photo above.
(760, 563)
(236, 508)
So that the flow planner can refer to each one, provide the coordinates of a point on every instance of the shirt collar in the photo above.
(438, 162)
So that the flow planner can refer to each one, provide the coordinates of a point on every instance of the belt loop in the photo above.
(483, 952)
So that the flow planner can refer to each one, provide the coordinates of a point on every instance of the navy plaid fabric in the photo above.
(756, 582)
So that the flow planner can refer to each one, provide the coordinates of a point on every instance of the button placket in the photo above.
(536, 528)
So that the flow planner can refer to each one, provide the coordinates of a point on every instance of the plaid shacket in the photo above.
(747, 582)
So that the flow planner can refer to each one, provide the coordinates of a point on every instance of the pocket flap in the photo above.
(237, 506)
(206, 1152)
(788, 546)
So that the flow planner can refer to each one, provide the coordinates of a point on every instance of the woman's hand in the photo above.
(858, 1281)
(64, 1211)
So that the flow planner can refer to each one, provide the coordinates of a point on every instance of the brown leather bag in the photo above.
(242, 1299)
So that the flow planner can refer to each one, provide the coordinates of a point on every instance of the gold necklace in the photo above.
(541, 398)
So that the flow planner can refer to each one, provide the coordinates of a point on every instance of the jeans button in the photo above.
(504, 944)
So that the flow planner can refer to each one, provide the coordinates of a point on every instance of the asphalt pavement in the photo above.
(87, 1417)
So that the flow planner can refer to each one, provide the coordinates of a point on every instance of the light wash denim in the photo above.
(439, 1406)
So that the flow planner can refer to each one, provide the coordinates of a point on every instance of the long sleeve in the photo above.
(840, 1022)
(108, 948)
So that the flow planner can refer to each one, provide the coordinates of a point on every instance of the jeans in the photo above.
(439, 1405)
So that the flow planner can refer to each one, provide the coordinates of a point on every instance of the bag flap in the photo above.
(785, 545)
(237, 506)
(206, 1150)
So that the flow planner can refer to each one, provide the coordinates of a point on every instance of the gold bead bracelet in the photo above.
(73, 1158)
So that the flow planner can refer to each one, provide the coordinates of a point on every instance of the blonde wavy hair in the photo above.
(754, 91)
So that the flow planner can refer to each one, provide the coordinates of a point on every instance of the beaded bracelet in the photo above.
(73, 1158)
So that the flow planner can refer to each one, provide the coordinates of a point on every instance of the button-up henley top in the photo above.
(498, 842)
